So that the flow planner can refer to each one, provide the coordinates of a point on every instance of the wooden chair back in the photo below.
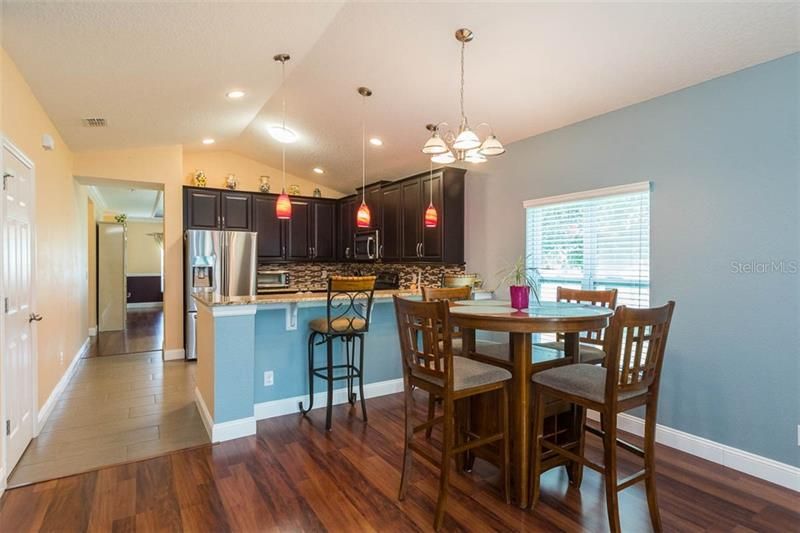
(448, 294)
(635, 343)
(349, 303)
(606, 298)
(425, 339)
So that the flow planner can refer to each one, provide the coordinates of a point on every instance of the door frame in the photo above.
(7, 144)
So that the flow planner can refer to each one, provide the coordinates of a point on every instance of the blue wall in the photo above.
(285, 352)
(723, 159)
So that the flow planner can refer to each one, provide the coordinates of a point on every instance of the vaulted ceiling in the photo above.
(158, 72)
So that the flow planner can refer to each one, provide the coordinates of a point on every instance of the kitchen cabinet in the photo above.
(216, 209)
(271, 241)
(347, 225)
(390, 248)
(298, 231)
(323, 230)
(410, 218)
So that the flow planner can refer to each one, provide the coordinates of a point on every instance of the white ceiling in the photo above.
(158, 72)
(136, 203)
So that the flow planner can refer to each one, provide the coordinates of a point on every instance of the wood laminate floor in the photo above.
(144, 332)
(294, 476)
(115, 409)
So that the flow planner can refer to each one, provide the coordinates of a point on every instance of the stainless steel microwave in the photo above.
(365, 245)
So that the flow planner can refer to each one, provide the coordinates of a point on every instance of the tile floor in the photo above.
(115, 409)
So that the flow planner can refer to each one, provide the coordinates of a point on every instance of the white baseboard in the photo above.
(145, 305)
(93, 331)
(233, 429)
(287, 406)
(2, 481)
(48, 406)
(755, 465)
(174, 355)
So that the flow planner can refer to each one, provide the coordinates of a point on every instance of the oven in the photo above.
(365, 245)
(271, 280)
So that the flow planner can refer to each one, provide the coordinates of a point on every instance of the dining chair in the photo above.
(449, 295)
(429, 364)
(635, 342)
(591, 342)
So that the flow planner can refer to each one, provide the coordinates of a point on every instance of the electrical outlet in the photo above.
(269, 378)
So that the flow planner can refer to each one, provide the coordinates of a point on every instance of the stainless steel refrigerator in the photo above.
(218, 262)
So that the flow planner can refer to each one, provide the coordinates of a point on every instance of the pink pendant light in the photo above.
(431, 216)
(283, 208)
(363, 217)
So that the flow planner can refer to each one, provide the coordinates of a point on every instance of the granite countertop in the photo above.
(211, 300)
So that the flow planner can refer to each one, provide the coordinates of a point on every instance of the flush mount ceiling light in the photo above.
(235, 94)
(318, 170)
(283, 207)
(208, 141)
(463, 145)
(280, 132)
(375, 142)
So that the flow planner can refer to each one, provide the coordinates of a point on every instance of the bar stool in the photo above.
(349, 305)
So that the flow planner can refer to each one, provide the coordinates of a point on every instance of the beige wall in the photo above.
(91, 249)
(159, 167)
(61, 231)
(217, 164)
(144, 253)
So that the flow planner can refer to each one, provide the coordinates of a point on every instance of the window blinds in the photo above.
(594, 240)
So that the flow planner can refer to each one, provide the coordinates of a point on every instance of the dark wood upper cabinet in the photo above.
(346, 226)
(298, 231)
(323, 242)
(432, 242)
(410, 218)
(236, 211)
(201, 209)
(271, 241)
(391, 236)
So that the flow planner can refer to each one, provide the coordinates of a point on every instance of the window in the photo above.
(594, 240)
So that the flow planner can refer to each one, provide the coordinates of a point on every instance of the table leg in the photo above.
(465, 460)
(521, 359)
(467, 341)
(572, 349)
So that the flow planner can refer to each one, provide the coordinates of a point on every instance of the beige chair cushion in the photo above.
(589, 352)
(583, 380)
(468, 374)
(340, 325)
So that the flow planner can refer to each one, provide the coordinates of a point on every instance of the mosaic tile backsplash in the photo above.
(314, 275)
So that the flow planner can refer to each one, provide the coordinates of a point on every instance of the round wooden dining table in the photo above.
(569, 319)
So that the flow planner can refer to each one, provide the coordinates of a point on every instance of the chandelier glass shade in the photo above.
(446, 147)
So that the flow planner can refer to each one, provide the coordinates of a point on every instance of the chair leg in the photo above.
(575, 470)
(448, 442)
(311, 338)
(409, 434)
(329, 408)
(610, 474)
(505, 460)
(536, 444)
(350, 349)
(650, 466)
(431, 413)
(361, 378)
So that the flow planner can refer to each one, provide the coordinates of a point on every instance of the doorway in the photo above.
(19, 319)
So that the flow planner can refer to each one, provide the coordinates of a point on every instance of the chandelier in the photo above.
(446, 147)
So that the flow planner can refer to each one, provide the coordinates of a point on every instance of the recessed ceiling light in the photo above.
(208, 141)
(235, 94)
(375, 142)
(319, 170)
(282, 134)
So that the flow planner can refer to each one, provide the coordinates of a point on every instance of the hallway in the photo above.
(144, 332)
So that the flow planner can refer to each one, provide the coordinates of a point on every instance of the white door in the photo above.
(17, 343)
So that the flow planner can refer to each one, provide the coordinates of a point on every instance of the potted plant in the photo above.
(523, 282)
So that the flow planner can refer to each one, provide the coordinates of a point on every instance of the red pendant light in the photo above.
(431, 216)
(363, 216)
(283, 209)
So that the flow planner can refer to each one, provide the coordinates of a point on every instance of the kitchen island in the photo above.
(240, 340)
